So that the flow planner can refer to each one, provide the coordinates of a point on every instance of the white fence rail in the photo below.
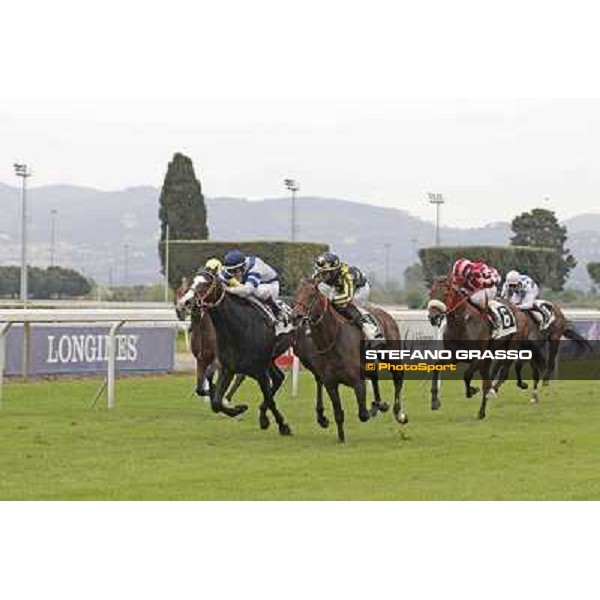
(413, 324)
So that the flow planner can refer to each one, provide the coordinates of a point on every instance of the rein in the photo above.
(316, 300)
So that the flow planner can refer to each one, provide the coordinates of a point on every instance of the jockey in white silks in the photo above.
(522, 291)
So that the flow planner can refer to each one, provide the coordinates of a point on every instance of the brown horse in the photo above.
(203, 345)
(336, 357)
(464, 323)
(551, 336)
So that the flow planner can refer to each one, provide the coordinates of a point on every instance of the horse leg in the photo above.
(377, 404)
(269, 403)
(338, 411)
(360, 391)
(322, 420)
(470, 390)
(277, 377)
(216, 400)
(399, 412)
(201, 376)
(519, 371)
(435, 390)
(502, 377)
(554, 347)
(486, 385)
(239, 379)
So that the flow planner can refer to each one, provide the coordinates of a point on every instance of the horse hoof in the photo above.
(323, 421)
(238, 410)
(481, 416)
(436, 405)
(402, 418)
(491, 393)
(364, 416)
(534, 399)
(285, 429)
(523, 385)
(546, 382)
(264, 422)
(384, 407)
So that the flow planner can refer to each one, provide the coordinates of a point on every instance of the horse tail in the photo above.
(581, 342)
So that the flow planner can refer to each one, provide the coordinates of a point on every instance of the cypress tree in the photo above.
(181, 204)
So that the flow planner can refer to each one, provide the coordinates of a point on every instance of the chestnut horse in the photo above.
(336, 355)
(466, 326)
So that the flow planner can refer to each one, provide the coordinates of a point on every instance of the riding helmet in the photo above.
(233, 261)
(327, 262)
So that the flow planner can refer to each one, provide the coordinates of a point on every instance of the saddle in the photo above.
(506, 323)
(283, 324)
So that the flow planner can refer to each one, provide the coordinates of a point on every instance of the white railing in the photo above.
(413, 323)
(115, 317)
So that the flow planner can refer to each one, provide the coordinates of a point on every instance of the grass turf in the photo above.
(161, 444)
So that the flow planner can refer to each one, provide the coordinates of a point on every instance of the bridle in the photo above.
(307, 318)
(446, 284)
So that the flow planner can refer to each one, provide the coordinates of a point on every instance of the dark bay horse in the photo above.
(464, 323)
(336, 354)
(246, 344)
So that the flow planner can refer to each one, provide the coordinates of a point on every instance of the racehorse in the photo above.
(203, 345)
(246, 344)
(336, 355)
(550, 337)
(464, 323)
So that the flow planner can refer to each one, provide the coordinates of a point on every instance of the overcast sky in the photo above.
(490, 159)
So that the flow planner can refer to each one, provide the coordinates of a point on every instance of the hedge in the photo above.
(292, 260)
(53, 282)
(539, 263)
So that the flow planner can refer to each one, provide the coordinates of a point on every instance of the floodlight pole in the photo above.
(52, 235)
(292, 186)
(23, 171)
(438, 200)
(167, 264)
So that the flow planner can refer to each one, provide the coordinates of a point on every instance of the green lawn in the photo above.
(161, 444)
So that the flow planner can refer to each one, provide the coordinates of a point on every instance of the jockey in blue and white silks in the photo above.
(250, 276)
(523, 291)
(520, 289)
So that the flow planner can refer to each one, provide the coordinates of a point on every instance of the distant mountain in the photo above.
(94, 227)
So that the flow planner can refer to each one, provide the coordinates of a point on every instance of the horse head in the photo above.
(309, 302)
(207, 289)
(445, 292)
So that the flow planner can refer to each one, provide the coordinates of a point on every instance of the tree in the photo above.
(593, 269)
(540, 228)
(181, 204)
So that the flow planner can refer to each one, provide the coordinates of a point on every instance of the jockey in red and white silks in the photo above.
(479, 282)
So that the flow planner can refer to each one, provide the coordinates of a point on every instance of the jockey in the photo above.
(522, 290)
(213, 265)
(479, 282)
(349, 288)
(251, 276)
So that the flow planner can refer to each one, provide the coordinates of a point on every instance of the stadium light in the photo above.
(438, 200)
(23, 171)
(292, 186)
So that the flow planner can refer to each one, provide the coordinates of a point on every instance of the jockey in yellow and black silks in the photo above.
(347, 288)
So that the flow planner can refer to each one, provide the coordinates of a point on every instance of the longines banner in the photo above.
(84, 349)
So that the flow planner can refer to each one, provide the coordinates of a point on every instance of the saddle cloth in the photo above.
(284, 323)
(505, 320)
(548, 315)
(365, 313)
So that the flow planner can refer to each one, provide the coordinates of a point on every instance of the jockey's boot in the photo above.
(364, 322)
(274, 307)
(493, 320)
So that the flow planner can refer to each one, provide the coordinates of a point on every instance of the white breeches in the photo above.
(264, 291)
(481, 298)
(528, 300)
(361, 296)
